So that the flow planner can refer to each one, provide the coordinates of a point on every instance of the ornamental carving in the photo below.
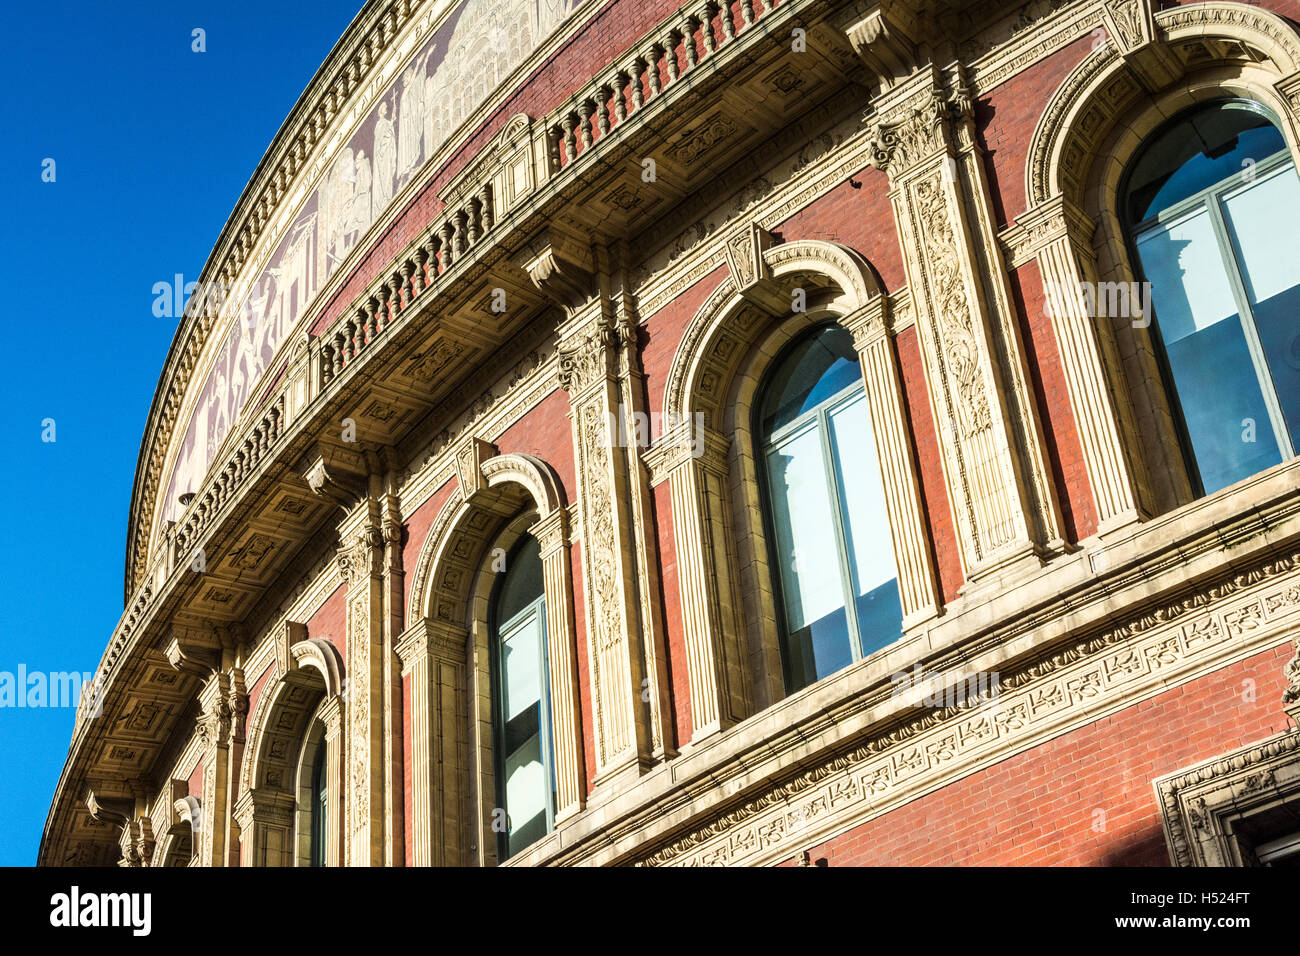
(952, 313)
(362, 558)
(590, 359)
(600, 549)
(1127, 16)
(916, 131)
(1171, 644)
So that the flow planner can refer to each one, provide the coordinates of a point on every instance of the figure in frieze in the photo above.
(410, 126)
(336, 197)
(385, 160)
(359, 216)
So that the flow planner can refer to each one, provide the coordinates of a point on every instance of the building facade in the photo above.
(810, 432)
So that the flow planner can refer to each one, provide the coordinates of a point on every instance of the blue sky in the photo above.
(152, 144)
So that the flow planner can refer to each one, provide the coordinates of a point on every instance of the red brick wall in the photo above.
(678, 675)
(417, 533)
(1052, 394)
(331, 621)
(860, 218)
(1038, 808)
(659, 337)
(584, 665)
(1005, 121)
(546, 432)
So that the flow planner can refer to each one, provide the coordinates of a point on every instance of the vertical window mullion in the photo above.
(1232, 262)
(544, 681)
(838, 529)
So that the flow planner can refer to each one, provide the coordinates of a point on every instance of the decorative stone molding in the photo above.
(1057, 234)
(697, 461)
(995, 469)
(433, 649)
(883, 36)
(1202, 806)
(265, 820)
(1291, 696)
(561, 266)
(1081, 111)
(594, 360)
(1039, 699)
(745, 256)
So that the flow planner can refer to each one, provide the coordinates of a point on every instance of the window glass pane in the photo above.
(820, 366)
(523, 582)
(1197, 151)
(526, 791)
(809, 561)
(1261, 219)
(866, 521)
(519, 691)
(521, 667)
(1218, 389)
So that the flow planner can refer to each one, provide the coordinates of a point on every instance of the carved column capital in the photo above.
(917, 121)
(362, 557)
(589, 357)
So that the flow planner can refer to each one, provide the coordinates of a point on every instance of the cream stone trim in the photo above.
(1095, 677)
(1003, 506)
(594, 361)
(1202, 805)
(1076, 159)
(324, 733)
(1082, 108)
(707, 382)
(1054, 232)
(450, 691)
(311, 689)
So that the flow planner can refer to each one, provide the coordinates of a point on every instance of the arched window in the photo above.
(1210, 207)
(525, 766)
(828, 528)
(319, 803)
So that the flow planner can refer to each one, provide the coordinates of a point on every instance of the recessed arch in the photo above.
(713, 340)
(1093, 99)
(497, 499)
(727, 599)
(309, 690)
(1093, 125)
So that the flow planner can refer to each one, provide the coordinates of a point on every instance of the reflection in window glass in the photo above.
(526, 781)
(1207, 351)
(1261, 220)
(832, 549)
(1218, 196)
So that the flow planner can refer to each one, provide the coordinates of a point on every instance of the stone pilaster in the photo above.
(394, 603)
(1002, 501)
(265, 820)
(361, 560)
(433, 655)
(1057, 235)
(589, 373)
(224, 704)
(595, 365)
(331, 715)
(693, 459)
(909, 529)
(552, 533)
